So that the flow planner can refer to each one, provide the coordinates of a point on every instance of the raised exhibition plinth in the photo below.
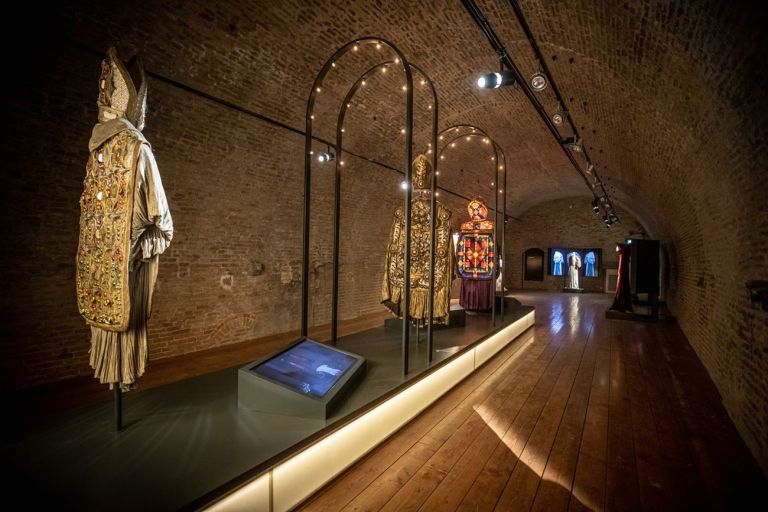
(287, 482)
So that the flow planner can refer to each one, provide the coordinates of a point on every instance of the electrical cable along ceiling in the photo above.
(559, 120)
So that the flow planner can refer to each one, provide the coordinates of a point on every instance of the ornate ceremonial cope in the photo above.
(476, 248)
(393, 282)
(106, 209)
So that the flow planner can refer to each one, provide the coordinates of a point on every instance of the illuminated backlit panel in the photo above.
(297, 478)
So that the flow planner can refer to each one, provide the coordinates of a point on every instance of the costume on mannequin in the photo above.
(622, 301)
(574, 264)
(124, 225)
(475, 257)
(393, 283)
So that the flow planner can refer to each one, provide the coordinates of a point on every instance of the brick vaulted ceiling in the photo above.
(649, 87)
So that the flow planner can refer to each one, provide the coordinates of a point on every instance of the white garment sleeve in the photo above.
(152, 228)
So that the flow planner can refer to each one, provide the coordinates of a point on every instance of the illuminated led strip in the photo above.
(295, 479)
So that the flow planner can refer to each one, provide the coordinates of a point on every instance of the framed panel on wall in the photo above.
(534, 265)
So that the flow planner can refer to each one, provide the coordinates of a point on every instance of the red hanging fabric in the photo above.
(623, 299)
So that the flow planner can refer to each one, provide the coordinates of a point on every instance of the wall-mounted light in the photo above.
(557, 118)
(758, 293)
(496, 80)
(404, 185)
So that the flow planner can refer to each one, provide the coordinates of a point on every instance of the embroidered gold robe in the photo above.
(393, 283)
(121, 355)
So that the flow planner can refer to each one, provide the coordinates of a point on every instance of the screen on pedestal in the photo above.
(308, 367)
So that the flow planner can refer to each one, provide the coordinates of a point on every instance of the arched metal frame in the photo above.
(337, 205)
(402, 62)
(499, 165)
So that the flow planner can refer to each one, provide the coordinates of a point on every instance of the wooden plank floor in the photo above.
(580, 413)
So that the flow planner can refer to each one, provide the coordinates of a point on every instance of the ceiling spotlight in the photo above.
(595, 206)
(557, 118)
(496, 80)
(326, 157)
(538, 81)
(404, 185)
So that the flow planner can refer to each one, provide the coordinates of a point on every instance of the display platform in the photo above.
(306, 379)
(510, 303)
(573, 290)
(456, 318)
(188, 443)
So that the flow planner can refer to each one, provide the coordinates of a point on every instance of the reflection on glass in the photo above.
(557, 263)
(591, 269)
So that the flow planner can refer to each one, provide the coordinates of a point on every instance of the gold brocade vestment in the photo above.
(393, 283)
(106, 207)
(125, 224)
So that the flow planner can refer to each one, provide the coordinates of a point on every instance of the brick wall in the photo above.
(234, 185)
(570, 224)
(668, 96)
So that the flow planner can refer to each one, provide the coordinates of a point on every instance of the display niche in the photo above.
(534, 265)
(586, 261)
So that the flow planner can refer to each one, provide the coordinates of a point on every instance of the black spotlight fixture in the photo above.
(573, 144)
(596, 206)
(496, 80)
(326, 156)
